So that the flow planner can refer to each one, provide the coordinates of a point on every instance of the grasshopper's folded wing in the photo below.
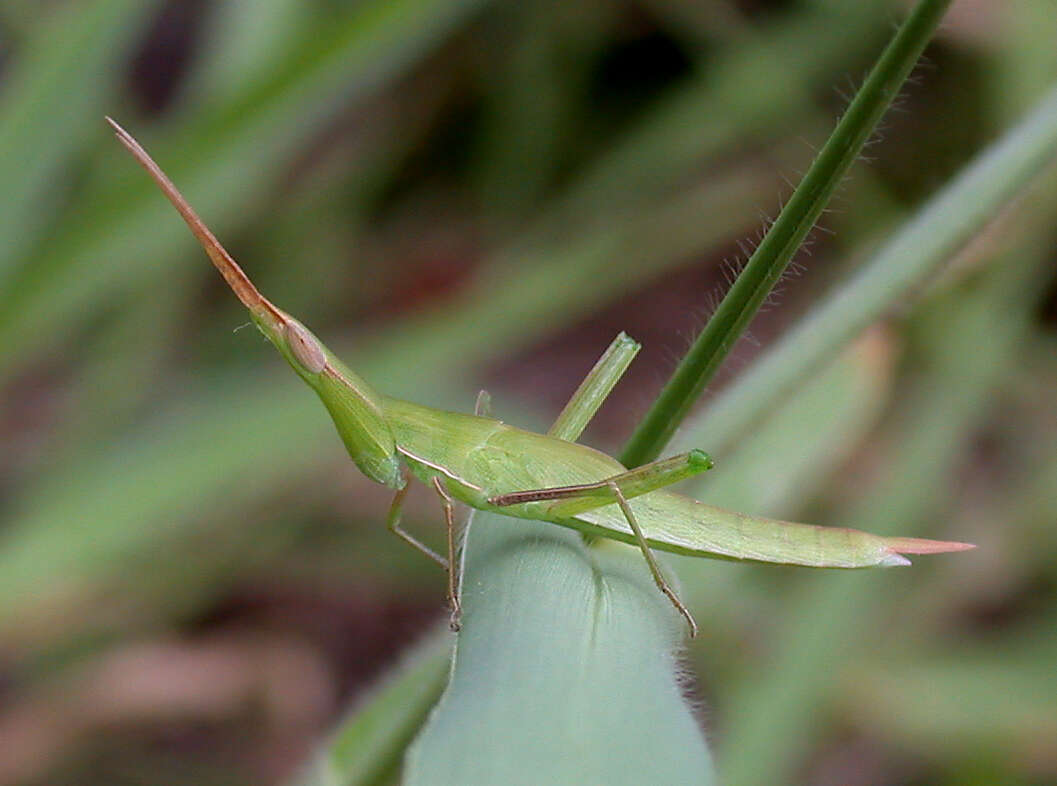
(673, 522)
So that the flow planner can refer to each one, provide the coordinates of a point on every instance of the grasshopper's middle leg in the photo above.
(453, 563)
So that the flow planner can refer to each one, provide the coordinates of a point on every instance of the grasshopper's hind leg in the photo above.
(651, 561)
(571, 500)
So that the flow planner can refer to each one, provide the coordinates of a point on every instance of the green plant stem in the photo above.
(949, 221)
(785, 236)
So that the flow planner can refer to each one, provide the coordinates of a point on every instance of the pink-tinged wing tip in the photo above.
(925, 546)
(899, 546)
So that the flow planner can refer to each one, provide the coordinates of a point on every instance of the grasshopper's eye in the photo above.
(305, 347)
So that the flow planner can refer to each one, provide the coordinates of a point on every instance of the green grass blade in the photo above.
(783, 239)
(70, 64)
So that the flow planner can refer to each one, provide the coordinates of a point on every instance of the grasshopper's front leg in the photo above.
(393, 525)
(451, 564)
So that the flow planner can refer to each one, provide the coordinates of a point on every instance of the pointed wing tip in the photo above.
(899, 546)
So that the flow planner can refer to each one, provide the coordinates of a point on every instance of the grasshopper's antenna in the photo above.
(228, 267)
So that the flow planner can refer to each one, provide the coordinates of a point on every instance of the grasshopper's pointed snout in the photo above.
(239, 282)
(355, 408)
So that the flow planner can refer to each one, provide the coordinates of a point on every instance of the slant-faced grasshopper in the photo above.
(490, 465)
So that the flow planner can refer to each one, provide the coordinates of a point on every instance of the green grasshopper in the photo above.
(492, 466)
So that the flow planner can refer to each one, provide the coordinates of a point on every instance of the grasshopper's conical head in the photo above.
(353, 405)
(355, 408)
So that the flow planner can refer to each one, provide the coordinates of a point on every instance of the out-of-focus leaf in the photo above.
(245, 38)
(69, 66)
(789, 455)
(774, 705)
(1001, 698)
(752, 89)
(124, 235)
(370, 742)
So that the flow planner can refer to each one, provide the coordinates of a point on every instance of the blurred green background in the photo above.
(458, 194)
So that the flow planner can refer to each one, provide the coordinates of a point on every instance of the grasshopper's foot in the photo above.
(455, 621)
(691, 624)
